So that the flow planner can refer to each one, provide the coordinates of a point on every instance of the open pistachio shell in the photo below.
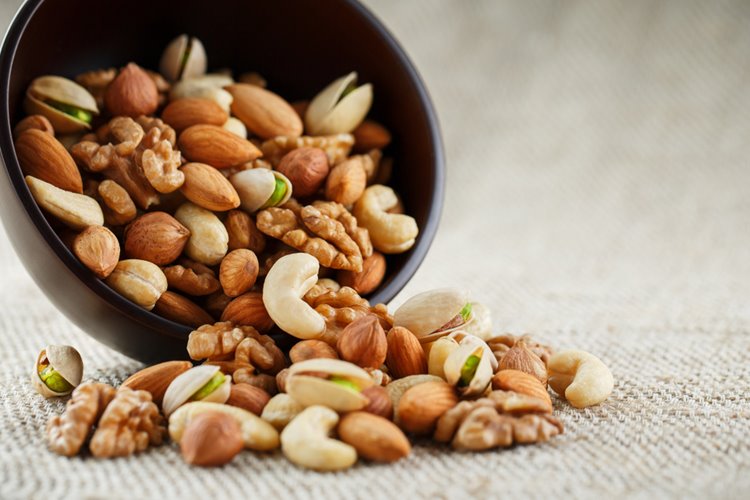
(188, 383)
(310, 390)
(64, 91)
(66, 361)
(481, 324)
(425, 314)
(330, 113)
(454, 365)
(255, 187)
(439, 352)
(173, 65)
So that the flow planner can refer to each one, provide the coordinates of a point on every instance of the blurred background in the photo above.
(598, 196)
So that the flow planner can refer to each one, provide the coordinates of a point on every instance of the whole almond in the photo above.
(208, 188)
(155, 379)
(243, 233)
(211, 439)
(248, 397)
(248, 310)
(373, 272)
(184, 113)
(156, 237)
(347, 181)
(42, 156)
(311, 349)
(264, 113)
(374, 437)
(238, 272)
(132, 93)
(405, 354)
(380, 402)
(521, 382)
(37, 122)
(98, 249)
(421, 406)
(363, 342)
(181, 310)
(370, 135)
(306, 168)
(216, 146)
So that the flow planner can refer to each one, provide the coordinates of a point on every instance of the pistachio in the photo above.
(339, 108)
(261, 188)
(329, 382)
(58, 370)
(68, 106)
(202, 383)
(434, 314)
(184, 57)
(470, 366)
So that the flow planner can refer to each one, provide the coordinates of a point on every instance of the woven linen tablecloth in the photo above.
(598, 197)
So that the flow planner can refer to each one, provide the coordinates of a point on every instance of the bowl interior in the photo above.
(298, 46)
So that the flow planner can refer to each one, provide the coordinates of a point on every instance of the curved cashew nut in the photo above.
(257, 434)
(290, 278)
(390, 233)
(305, 441)
(582, 378)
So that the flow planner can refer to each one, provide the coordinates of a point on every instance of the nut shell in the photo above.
(66, 361)
(211, 439)
(188, 383)
(172, 58)
(62, 90)
(421, 406)
(330, 113)
(426, 313)
(313, 390)
(255, 187)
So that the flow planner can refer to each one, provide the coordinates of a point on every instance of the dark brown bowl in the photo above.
(299, 46)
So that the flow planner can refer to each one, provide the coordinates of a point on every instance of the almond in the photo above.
(264, 113)
(156, 237)
(248, 397)
(523, 383)
(311, 349)
(380, 402)
(347, 181)
(243, 233)
(421, 406)
(98, 249)
(370, 135)
(132, 93)
(405, 354)
(208, 188)
(371, 276)
(155, 379)
(211, 439)
(238, 272)
(363, 342)
(248, 310)
(184, 113)
(38, 122)
(216, 146)
(374, 437)
(179, 309)
(42, 156)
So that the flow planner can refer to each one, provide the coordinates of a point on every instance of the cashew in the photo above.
(76, 210)
(257, 434)
(390, 233)
(280, 410)
(305, 441)
(204, 87)
(235, 126)
(290, 278)
(138, 280)
(580, 377)
(209, 240)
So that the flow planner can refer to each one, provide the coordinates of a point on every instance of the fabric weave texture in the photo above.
(598, 197)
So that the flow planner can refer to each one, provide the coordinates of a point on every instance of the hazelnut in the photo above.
(248, 310)
(380, 403)
(520, 357)
(133, 93)
(306, 168)
(311, 349)
(363, 342)
(156, 237)
(211, 439)
(248, 397)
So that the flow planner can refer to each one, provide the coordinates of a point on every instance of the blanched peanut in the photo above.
(138, 280)
(580, 377)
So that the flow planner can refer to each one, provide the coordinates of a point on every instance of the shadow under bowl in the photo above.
(298, 46)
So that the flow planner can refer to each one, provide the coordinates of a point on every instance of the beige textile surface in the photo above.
(598, 196)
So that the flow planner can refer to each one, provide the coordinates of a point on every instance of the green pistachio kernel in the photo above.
(77, 113)
(348, 90)
(209, 387)
(466, 311)
(54, 380)
(279, 190)
(185, 58)
(345, 383)
(469, 369)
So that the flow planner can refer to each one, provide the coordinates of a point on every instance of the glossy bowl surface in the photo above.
(298, 46)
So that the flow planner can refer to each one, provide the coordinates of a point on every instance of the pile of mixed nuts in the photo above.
(266, 228)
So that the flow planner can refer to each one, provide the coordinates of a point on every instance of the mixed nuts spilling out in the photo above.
(221, 215)
(360, 391)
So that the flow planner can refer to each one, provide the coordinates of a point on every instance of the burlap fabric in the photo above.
(598, 196)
